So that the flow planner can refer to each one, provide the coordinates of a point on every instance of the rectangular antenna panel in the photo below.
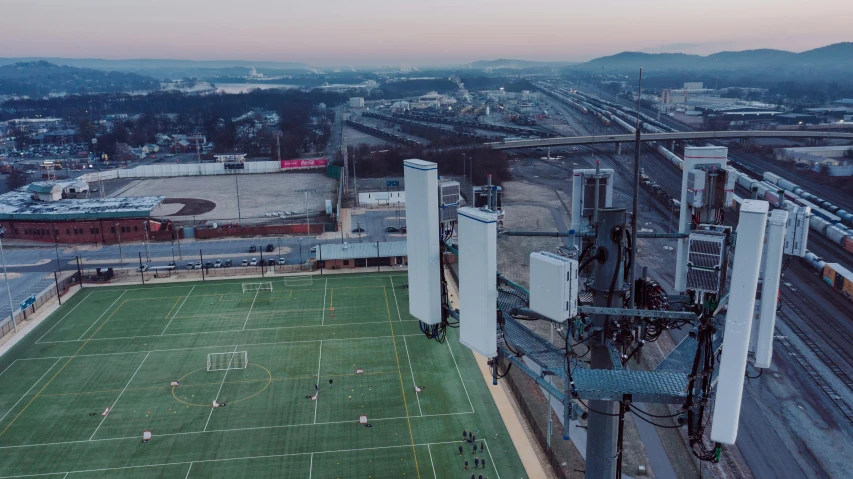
(553, 286)
(478, 296)
(797, 230)
(770, 288)
(747, 262)
(731, 181)
(696, 188)
(448, 194)
(705, 253)
(583, 193)
(422, 240)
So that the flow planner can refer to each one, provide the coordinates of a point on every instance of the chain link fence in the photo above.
(59, 287)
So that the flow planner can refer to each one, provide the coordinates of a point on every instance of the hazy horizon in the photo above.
(386, 33)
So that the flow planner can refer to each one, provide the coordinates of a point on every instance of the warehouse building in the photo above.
(42, 211)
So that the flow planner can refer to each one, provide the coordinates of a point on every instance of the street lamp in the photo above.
(6, 277)
(120, 255)
(299, 240)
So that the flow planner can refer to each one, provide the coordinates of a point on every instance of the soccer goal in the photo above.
(226, 361)
(253, 287)
(306, 280)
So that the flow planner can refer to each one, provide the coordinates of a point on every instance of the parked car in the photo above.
(392, 229)
(313, 249)
(245, 262)
(270, 248)
(197, 265)
(190, 265)
(227, 263)
(172, 264)
(142, 268)
(282, 261)
(253, 249)
(217, 263)
(208, 264)
(253, 262)
(357, 230)
(271, 262)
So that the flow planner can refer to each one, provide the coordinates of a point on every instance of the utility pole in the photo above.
(120, 255)
(6, 277)
(237, 186)
(635, 208)
(608, 289)
(147, 250)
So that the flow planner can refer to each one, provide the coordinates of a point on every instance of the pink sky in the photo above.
(373, 32)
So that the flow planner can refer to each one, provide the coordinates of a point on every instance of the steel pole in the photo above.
(120, 254)
(56, 282)
(8, 290)
(603, 415)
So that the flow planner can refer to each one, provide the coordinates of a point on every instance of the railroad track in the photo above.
(814, 375)
(815, 348)
(834, 334)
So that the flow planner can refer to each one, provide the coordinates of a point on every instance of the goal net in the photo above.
(306, 280)
(226, 361)
(253, 287)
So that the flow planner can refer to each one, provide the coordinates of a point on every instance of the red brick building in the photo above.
(42, 212)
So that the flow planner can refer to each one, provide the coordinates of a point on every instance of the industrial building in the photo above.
(43, 211)
(356, 102)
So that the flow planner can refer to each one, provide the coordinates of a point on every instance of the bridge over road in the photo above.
(681, 135)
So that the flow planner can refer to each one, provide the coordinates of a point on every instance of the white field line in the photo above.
(250, 311)
(63, 317)
(29, 390)
(492, 458)
(102, 314)
(221, 331)
(261, 428)
(310, 466)
(119, 395)
(188, 470)
(178, 311)
(317, 392)
(228, 459)
(460, 375)
(227, 368)
(417, 396)
(399, 316)
(218, 346)
(434, 475)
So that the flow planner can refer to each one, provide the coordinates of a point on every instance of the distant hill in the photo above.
(837, 58)
(40, 78)
(516, 64)
(163, 69)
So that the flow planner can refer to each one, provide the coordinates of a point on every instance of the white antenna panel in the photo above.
(747, 263)
(478, 264)
(770, 288)
(422, 240)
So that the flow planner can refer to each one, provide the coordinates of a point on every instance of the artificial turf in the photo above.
(120, 348)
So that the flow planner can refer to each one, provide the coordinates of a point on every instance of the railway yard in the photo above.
(805, 400)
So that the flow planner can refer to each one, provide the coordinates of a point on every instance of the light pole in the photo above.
(56, 246)
(120, 255)
(147, 251)
(299, 240)
(6, 277)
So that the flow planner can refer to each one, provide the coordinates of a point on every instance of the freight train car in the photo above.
(839, 278)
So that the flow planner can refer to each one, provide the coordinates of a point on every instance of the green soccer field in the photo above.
(122, 347)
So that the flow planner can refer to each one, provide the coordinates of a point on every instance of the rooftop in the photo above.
(387, 249)
(19, 205)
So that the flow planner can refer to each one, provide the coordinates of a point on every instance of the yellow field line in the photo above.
(173, 307)
(247, 381)
(402, 387)
(61, 369)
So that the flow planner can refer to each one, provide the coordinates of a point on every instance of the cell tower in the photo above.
(587, 294)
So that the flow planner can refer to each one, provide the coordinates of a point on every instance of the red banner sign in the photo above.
(313, 163)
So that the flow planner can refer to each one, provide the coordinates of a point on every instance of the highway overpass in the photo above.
(681, 135)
